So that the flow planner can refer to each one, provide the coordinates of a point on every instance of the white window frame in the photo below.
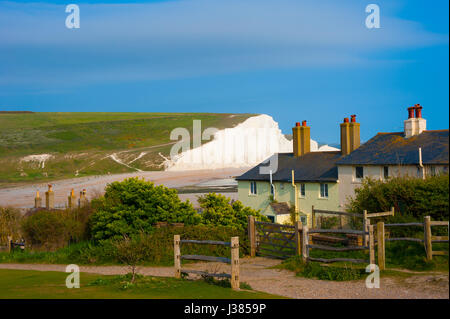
(253, 189)
(327, 191)
(302, 185)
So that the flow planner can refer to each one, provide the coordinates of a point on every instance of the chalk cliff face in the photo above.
(245, 145)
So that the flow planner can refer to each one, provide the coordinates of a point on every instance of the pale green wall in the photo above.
(286, 194)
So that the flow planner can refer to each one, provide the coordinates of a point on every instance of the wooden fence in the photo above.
(234, 261)
(428, 238)
(274, 240)
(306, 246)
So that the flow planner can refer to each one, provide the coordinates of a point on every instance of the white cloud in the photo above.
(132, 42)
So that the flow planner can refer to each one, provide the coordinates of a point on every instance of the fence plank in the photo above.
(403, 224)
(329, 248)
(439, 238)
(336, 231)
(333, 260)
(405, 239)
(439, 223)
(274, 225)
(331, 212)
(207, 258)
(205, 242)
(440, 253)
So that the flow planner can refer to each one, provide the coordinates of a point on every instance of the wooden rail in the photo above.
(234, 261)
(333, 260)
(428, 239)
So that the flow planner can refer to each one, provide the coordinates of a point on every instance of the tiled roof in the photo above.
(311, 167)
(395, 149)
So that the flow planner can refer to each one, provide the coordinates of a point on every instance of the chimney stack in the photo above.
(49, 198)
(350, 135)
(301, 139)
(414, 125)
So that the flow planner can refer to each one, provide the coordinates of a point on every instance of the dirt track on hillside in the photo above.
(256, 272)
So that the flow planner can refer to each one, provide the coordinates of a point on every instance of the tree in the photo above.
(218, 210)
(135, 205)
(131, 252)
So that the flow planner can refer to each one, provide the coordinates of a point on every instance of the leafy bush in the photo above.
(135, 205)
(218, 210)
(329, 222)
(409, 196)
(10, 219)
(50, 229)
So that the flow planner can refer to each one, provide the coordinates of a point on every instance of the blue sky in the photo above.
(294, 60)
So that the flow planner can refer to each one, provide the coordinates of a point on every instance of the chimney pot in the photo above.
(418, 108)
(304, 123)
(297, 124)
(353, 118)
(346, 120)
(411, 112)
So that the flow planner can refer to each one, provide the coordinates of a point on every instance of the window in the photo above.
(386, 172)
(271, 218)
(253, 188)
(324, 190)
(302, 190)
(304, 219)
(433, 170)
(359, 172)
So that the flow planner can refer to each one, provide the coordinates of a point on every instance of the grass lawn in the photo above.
(21, 284)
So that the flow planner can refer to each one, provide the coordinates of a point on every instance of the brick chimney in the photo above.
(301, 139)
(350, 135)
(415, 124)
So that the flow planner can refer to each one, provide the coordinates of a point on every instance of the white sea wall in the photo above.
(245, 145)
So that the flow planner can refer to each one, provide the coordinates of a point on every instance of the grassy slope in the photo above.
(22, 284)
(82, 141)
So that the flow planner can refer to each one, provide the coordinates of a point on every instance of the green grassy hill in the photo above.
(81, 144)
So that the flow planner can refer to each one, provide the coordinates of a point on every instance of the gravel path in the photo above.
(257, 273)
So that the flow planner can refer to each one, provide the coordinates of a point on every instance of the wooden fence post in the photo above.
(381, 246)
(305, 252)
(366, 223)
(9, 243)
(177, 255)
(298, 241)
(371, 246)
(235, 263)
(313, 217)
(252, 235)
(427, 237)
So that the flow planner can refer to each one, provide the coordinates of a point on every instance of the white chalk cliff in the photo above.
(245, 145)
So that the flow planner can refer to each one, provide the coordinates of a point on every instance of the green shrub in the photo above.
(414, 197)
(218, 210)
(50, 229)
(134, 205)
(10, 219)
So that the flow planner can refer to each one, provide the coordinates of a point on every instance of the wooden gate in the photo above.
(274, 240)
